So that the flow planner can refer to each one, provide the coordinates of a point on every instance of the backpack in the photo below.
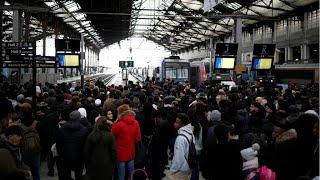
(192, 155)
(31, 142)
(263, 173)
(266, 173)
(142, 153)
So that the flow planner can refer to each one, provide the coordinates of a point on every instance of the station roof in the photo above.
(176, 27)
(73, 17)
(166, 22)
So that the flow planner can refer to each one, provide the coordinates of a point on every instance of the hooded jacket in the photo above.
(286, 154)
(71, 138)
(126, 131)
(10, 158)
(181, 150)
(100, 156)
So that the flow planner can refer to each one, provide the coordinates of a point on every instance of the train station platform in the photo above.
(117, 80)
(75, 78)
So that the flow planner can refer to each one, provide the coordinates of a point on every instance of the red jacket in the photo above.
(126, 131)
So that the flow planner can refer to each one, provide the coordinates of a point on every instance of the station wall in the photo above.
(288, 34)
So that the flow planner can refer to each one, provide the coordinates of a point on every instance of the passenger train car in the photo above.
(200, 70)
(174, 68)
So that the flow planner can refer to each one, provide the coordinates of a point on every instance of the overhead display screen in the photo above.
(68, 60)
(259, 63)
(264, 49)
(224, 62)
(226, 49)
(67, 45)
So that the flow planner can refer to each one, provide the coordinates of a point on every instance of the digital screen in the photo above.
(261, 63)
(226, 49)
(221, 62)
(67, 45)
(264, 49)
(68, 60)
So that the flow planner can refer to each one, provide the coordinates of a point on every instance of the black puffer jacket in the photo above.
(71, 138)
(286, 156)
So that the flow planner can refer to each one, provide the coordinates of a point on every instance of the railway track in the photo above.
(106, 78)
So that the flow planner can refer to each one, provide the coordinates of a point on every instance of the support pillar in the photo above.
(44, 39)
(89, 60)
(274, 33)
(82, 65)
(17, 26)
(1, 36)
(27, 17)
(238, 38)
(211, 56)
(17, 33)
(305, 51)
(288, 53)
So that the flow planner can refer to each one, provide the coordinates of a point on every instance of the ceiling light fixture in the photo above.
(193, 4)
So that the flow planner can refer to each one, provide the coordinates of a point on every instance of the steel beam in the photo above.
(24, 8)
(288, 4)
(268, 7)
(79, 23)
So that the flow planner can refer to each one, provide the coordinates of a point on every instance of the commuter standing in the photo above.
(100, 152)
(31, 145)
(224, 157)
(70, 144)
(126, 131)
(97, 110)
(11, 166)
(180, 169)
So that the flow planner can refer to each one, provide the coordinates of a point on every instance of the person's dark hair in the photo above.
(26, 118)
(126, 101)
(156, 114)
(192, 113)
(139, 174)
(11, 130)
(184, 118)
(101, 124)
(304, 127)
(222, 133)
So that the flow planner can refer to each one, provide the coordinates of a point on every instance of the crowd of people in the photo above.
(159, 128)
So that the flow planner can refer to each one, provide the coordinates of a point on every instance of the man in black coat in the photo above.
(71, 138)
(224, 157)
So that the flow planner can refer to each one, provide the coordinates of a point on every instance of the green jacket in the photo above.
(100, 156)
(10, 159)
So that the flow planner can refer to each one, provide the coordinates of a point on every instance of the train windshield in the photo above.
(179, 73)
(171, 73)
(182, 73)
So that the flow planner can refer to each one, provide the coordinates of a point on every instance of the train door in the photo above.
(203, 72)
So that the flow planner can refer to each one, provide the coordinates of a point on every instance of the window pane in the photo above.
(171, 73)
(183, 73)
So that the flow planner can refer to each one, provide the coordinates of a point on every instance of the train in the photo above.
(173, 68)
(193, 71)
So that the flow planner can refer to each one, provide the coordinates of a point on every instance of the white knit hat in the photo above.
(251, 152)
(83, 112)
(97, 102)
(312, 112)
